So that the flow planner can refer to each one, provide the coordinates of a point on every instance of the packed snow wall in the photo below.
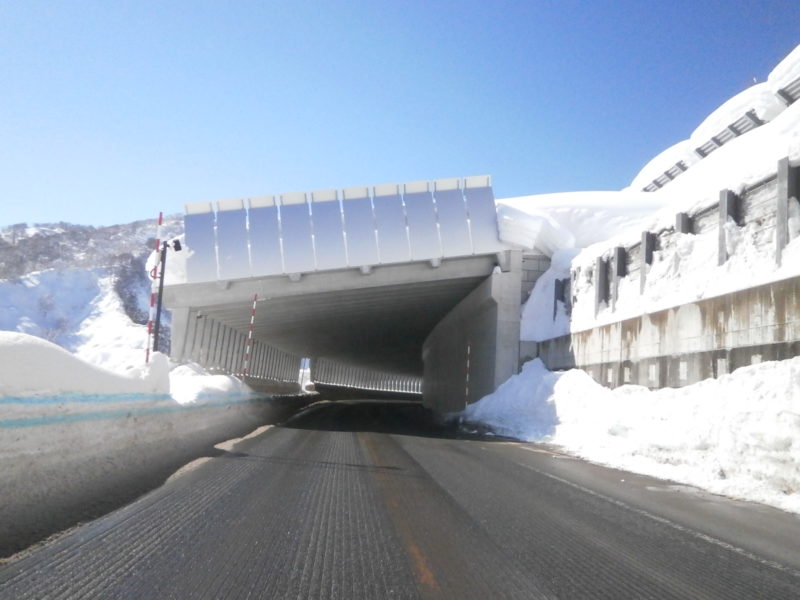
(70, 458)
(740, 319)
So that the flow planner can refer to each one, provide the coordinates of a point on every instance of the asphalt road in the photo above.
(373, 501)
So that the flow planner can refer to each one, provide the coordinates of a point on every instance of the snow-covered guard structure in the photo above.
(697, 340)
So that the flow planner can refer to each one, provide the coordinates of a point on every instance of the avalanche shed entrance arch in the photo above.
(400, 287)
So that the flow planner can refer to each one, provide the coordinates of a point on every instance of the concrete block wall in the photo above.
(533, 266)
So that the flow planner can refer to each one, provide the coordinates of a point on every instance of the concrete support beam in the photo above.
(620, 270)
(601, 287)
(683, 223)
(728, 211)
(788, 184)
(179, 333)
(559, 294)
(475, 347)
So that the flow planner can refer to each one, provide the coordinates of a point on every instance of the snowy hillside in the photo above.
(83, 288)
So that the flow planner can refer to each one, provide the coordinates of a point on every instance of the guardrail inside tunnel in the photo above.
(333, 373)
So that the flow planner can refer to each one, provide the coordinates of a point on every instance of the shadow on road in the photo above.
(382, 416)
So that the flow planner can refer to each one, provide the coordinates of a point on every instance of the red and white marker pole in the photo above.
(154, 276)
(249, 348)
(466, 382)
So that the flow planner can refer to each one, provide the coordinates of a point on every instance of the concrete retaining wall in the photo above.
(69, 459)
(683, 345)
(475, 347)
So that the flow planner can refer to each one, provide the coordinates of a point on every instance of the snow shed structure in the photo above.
(402, 288)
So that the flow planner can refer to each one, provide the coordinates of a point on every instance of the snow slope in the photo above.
(83, 288)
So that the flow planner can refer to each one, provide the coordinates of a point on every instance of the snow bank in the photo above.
(736, 435)
(33, 366)
(190, 383)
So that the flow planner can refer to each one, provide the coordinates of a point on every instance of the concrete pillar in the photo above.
(213, 345)
(181, 332)
(203, 349)
(648, 247)
(600, 283)
(620, 266)
(728, 209)
(558, 294)
(787, 192)
(486, 321)
(683, 223)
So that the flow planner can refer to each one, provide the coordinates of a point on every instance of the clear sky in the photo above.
(113, 111)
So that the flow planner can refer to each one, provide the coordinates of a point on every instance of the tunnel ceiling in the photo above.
(380, 327)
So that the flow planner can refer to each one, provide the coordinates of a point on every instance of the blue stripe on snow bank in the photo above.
(119, 414)
(83, 398)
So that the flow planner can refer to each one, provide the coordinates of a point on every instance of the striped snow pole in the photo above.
(249, 346)
(154, 289)
(466, 382)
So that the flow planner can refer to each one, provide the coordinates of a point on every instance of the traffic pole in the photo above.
(154, 276)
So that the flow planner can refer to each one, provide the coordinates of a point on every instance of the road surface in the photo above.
(373, 501)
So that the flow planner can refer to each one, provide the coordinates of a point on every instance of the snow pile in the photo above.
(736, 435)
(33, 366)
(572, 219)
(190, 383)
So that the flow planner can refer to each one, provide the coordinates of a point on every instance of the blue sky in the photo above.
(114, 111)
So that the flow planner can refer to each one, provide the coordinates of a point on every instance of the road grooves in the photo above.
(373, 501)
